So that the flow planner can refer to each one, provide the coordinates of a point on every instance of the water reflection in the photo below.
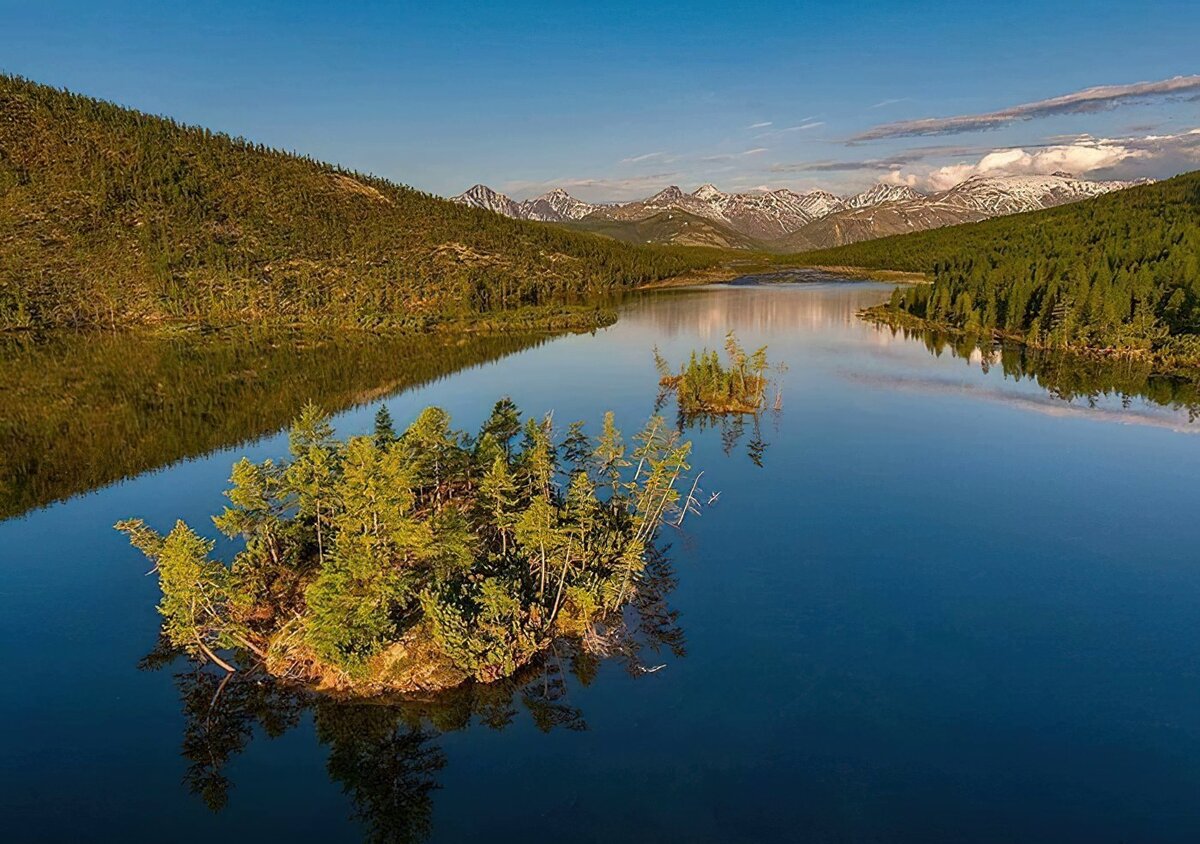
(929, 616)
(82, 411)
(733, 427)
(1099, 385)
(760, 309)
(1119, 389)
(384, 753)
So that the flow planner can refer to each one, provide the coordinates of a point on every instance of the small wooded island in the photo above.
(706, 386)
(416, 562)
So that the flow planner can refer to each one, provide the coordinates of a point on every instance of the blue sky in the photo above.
(613, 101)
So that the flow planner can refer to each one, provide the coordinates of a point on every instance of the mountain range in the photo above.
(785, 220)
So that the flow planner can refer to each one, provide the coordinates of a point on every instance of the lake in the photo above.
(943, 594)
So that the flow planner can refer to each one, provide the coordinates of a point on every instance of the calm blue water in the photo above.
(947, 607)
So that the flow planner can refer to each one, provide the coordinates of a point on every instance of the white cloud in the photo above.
(803, 125)
(649, 156)
(762, 125)
(895, 177)
(1081, 158)
(1089, 99)
(731, 156)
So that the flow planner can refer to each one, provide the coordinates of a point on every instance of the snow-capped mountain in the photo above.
(786, 219)
(764, 215)
(881, 193)
(552, 207)
(818, 203)
(481, 196)
(974, 199)
(998, 195)
(555, 206)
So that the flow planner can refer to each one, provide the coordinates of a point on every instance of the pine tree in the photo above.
(498, 495)
(504, 423)
(385, 431)
(610, 456)
(197, 593)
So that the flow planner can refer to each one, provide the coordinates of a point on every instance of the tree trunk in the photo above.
(208, 653)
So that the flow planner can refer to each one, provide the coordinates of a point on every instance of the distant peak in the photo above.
(880, 193)
(481, 191)
(668, 194)
(707, 191)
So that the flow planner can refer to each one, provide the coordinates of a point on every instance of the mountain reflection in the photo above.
(791, 318)
(708, 313)
(82, 411)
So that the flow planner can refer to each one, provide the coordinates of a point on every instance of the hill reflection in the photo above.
(83, 411)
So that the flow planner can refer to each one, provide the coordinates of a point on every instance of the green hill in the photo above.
(675, 227)
(111, 217)
(1119, 273)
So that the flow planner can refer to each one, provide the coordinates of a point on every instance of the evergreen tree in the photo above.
(498, 495)
(385, 431)
(197, 593)
(504, 423)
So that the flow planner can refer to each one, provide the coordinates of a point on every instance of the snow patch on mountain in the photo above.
(881, 193)
(481, 196)
(552, 207)
(998, 195)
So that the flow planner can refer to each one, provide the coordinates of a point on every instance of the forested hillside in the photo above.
(675, 227)
(111, 217)
(1120, 272)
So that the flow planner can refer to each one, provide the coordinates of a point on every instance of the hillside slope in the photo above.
(111, 217)
(852, 225)
(1119, 273)
(675, 227)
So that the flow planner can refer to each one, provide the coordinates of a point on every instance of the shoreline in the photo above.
(709, 275)
(868, 274)
(732, 272)
(1161, 364)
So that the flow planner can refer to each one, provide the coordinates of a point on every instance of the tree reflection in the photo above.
(386, 766)
(1066, 375)
(734, 428)
(83, 410)
(384, 753)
